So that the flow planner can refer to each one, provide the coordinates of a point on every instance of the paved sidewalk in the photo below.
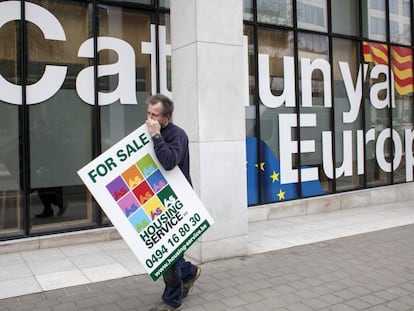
(371, 271)
(295, 263)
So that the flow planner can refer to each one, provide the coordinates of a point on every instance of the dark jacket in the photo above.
(172, 149)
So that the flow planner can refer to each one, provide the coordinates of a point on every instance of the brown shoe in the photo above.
(188, 286)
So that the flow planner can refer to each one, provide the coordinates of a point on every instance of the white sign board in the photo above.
(156, 211)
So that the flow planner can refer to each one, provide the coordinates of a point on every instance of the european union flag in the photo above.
(271, 188)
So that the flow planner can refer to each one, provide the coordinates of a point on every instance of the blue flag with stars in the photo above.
(271, 188)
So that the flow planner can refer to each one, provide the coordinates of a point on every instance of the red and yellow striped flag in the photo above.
(402, 63)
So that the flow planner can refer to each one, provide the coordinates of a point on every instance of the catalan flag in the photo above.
(402, 63)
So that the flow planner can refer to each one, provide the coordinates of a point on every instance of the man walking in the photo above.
(171, 149)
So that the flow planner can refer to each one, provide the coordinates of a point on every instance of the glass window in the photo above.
(277, 104)
(406, 8)
(248, 10)
(312, 14)
(349, 153)
(402, 109)
(345, 18)
(11, 216)
(135, 32)
(165, 3)
(60, 125)
(377, 5)
(400, 23)
(393, 6)
(377, 123)
(275, 12)
(251, 108)
(315, 85)
(251, 118)
(373, 18)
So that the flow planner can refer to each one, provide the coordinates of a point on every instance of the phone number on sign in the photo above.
(173, 241)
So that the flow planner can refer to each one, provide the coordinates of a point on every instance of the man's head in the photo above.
(160, 108)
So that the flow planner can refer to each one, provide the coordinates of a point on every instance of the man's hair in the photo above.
(167, 104)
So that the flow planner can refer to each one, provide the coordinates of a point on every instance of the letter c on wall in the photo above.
(54, 76)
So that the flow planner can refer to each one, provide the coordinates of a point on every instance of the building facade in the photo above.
(325, 86)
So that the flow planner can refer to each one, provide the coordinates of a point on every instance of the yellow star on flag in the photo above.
(281, 195)
(274, 176)
(261, 166)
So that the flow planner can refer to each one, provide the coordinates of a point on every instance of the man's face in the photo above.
(154, 112)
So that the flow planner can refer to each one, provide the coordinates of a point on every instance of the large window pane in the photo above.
(315, 103)
(251, 124)
(345, 17)
(276, 85)
(275, 12)
(348, 116)
(164, 3)
(400, 21)
(373, 19)
(133, 28)
(312, 15)
(138, 33)
(377, 122)
(402, 112)
(11, 216)
(248, 10)
(60, 126)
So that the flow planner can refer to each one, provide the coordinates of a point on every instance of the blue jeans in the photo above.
(180, 272)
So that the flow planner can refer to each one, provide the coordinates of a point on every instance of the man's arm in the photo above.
(170, 154)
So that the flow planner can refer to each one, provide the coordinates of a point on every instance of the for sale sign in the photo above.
(156, 211)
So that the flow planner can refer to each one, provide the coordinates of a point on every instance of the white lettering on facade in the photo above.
(53, 77)
(124, 68)
(125, 92)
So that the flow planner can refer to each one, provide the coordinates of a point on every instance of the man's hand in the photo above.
(154, 127)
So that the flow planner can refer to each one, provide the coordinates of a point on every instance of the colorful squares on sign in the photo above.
(167, 197)
(147, 165)
(143, 192)
(129, 204)
(132, 176)
(157, 181)
(117, 188)
(139, 220)
(153, 208)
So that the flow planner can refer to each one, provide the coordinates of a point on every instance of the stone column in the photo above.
(208, 88)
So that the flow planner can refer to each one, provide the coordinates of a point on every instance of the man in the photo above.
(171, 149)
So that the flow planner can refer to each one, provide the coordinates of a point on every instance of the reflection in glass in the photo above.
(11, 218)
(373, 19)
(314, 48)
(377, 123)
(312, 15)
(345, 18)
(275, 12)
(402, 111)
(60, 127)
(251, 109)
(164, 3)
(248, 10)
(133, 28)
(400, 21)
(274, 46)
(348, 118)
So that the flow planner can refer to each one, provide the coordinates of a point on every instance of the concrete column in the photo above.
(207, 83)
